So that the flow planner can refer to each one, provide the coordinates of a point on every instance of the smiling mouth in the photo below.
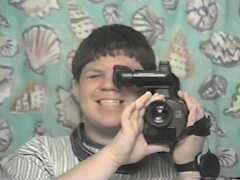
(111, 103)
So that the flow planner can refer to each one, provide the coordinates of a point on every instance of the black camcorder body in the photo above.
(164, 121)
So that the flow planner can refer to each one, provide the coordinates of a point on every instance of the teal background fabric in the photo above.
(200, 39)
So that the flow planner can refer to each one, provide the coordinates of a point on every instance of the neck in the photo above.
(83, 147)
(100, 135)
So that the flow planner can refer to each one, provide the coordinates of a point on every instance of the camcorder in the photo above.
(165, 120)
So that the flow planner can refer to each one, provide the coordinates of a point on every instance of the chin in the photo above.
(110, 119)
(112, 123)
(109, 122)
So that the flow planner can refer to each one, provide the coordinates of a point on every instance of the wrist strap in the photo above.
(190, 166)
(200, 128)
(206, 164)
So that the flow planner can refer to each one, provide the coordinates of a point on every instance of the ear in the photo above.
(75, 90)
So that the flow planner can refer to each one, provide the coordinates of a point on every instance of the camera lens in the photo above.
(158, 114)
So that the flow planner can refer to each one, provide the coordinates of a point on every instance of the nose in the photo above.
(107, 83)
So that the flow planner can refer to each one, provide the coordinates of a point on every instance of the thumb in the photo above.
(158, 148)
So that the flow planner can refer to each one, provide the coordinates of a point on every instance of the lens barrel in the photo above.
(158, 114)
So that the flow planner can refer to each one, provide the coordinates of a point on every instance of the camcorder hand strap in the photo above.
(200, 128)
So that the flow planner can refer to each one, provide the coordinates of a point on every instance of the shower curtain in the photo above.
(199, 38)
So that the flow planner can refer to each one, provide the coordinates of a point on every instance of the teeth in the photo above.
(110, 102)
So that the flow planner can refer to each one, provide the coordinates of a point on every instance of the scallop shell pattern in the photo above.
(223, 49)
(227, 157)
(170, 4)
(3, 21)
(42, 46)
(32, 99)
(6, 82)
(8, 47)
(5, 73)
(69, 59)
(80, 21)
(234, 109)
(202, 15)
(214, 87)
(149, 24)
(68, 109)
(36, 8)
(112, 14)
(179, 57)
(5, 135)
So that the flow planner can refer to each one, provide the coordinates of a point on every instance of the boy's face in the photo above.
(101, 101)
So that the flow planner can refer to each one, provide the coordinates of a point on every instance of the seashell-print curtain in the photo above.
(199, 38)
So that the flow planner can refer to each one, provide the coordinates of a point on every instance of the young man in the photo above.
(110, 144)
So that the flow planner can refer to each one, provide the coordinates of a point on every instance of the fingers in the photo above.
(141, 102)
(132, 115)
(196, 111)
(156, 97)
(126, 116)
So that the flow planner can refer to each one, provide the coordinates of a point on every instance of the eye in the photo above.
(93, 75)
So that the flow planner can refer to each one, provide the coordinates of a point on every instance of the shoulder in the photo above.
(40, 147)
(41, 155)
(44, 143)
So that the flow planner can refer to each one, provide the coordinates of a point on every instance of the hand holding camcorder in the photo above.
(164, 121)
